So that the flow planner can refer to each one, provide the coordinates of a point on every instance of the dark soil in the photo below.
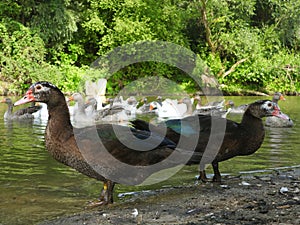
(270, 198)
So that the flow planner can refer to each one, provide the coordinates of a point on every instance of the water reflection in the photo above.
(279, 141)
(34, 187)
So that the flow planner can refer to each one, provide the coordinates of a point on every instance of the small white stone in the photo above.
(135, 213)
(283, 190)
(244, 183)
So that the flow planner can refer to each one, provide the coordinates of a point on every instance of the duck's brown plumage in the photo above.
(243, 138)
(84, 151)
(95, 150)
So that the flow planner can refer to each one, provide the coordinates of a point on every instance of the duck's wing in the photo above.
(124, 154)
(99, 114)
(27, 110)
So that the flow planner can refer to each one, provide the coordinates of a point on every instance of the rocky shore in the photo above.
(272, 197)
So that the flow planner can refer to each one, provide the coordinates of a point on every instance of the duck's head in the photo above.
(91, 101)
(6, 100)
(278, 96)
(77, 97)
(264, 108)
(229, 103)
(185, 100)
(41, 91)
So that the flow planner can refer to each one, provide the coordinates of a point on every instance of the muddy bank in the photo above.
(269, 198)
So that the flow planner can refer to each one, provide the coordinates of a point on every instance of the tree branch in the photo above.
(233, 67)
(206, 25)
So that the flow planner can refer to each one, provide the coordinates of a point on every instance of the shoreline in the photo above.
(271, 197)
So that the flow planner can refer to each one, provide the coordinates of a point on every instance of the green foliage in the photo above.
(284, 73)
(54, 22)
(255, 43)
(286, 16)
(247, 56)
(21, 52)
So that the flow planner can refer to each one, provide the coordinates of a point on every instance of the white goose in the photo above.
(169, 108)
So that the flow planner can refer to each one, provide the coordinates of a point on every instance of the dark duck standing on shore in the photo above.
(240, 139)
(82, 148)
(284, 121)
(94, 150)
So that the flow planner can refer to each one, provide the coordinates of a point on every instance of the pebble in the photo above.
(283, 190)
(224, 186)
(244, 183)
(135, 212)
(265, 178)
(297, 190)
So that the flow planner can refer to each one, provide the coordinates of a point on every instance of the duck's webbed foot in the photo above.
(202, 176)
(106, 196)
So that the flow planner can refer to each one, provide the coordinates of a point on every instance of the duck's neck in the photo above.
(59, 124)
(189, 109)
(81, 109)
(9, 110)
(252, 123)
(199, 104)
(255, 133)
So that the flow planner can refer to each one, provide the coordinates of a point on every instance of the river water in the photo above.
(34, 187)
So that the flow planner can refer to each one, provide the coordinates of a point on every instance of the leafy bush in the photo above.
(21, 53)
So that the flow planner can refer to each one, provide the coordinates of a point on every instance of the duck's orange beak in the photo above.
(28, 97)
(3, 101)
(282, 98)
(71, 98)
(151, 107)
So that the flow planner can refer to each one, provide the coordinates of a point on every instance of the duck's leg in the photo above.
(217, 175)
(202, 176)
(107, 192)
(106, 196)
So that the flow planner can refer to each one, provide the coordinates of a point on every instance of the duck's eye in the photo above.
(38, 87)
(270, 104)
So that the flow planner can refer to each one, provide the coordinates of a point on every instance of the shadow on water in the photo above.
(34, 187)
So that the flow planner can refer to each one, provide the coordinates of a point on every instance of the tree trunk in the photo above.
(206, 25)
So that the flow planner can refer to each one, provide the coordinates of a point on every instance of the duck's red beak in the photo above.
(28, 97)
(279, 114)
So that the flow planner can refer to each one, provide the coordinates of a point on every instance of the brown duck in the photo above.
(235, 139)
(97, 151)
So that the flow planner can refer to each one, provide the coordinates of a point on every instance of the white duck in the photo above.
(169, 108)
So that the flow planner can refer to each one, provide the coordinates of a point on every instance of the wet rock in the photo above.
(193, 211)
(283, 190)
(209, 204)
(244, 183)
(265, 178)
(262, 206)
(224, 186)
(272, 192)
